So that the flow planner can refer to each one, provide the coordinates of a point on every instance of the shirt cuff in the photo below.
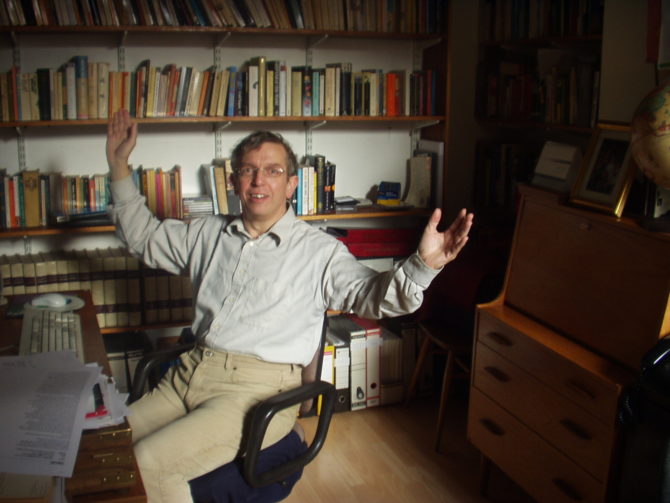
(123, 190)
(418, 271)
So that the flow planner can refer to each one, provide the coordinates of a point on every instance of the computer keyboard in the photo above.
(45, 330)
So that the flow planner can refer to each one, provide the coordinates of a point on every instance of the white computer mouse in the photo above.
(50, 300)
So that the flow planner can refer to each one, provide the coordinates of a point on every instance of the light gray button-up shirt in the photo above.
(267, 296)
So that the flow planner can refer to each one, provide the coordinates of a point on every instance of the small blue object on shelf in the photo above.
(388, 193)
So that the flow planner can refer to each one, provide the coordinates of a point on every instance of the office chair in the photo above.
(260, 475)
(445, 320)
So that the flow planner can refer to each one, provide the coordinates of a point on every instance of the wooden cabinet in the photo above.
(585, 296)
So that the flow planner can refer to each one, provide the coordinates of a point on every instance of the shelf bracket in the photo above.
(21, 148)
(309, 127)
(312, 45)
(16, 52)
(27, 245)
(426, 124)
(218, 138)
(222, 39)
(121, 51)
(415, 133)
(315, 125)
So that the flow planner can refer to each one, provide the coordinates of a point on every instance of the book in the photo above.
(341, 369)
(221, 187)
(97, 285)
(103, 90)
(354, 335)
(31, 198)
(81, 85)
(373, 345)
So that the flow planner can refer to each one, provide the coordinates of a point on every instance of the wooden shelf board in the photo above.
(365, 212)
(217, 120)
(215, 30)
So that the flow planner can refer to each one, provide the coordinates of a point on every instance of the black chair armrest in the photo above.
(260, 419)
(148, 365)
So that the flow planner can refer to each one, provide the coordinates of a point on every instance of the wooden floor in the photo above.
(385, 454)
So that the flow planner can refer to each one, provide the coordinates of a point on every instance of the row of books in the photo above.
(503, 20)
(315, 192)
(217, 177)
(161, 189)
(125, 294)
(553, 91)
(78, 89)
(409, 16)
(32, 199)
(364, 361)
(83, 89)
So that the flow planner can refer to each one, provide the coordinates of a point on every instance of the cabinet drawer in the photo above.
(544, 472)
(558, 370)
(566, 426)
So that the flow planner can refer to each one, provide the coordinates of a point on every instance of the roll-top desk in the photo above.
(585, 296)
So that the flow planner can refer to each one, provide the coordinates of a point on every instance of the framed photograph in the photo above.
(607, 170)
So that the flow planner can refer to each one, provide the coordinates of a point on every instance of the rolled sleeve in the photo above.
(418, 271)
(123, 191)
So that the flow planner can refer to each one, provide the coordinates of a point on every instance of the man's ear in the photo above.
(291, 185)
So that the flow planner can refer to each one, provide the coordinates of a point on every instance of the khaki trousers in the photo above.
(193, 421)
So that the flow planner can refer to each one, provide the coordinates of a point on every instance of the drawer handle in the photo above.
(497, 374)
(500, 339)
(492, 427)
(575, 429)
(567, 489)
(581, 389)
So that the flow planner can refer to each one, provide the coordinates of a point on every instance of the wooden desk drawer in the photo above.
(553, 360)
(544, 472)
(566, 426)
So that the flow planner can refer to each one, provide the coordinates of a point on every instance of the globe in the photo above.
(650, 136)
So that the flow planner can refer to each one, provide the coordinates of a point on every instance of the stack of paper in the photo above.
(44, 399)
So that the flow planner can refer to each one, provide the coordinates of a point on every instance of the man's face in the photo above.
(263, 196)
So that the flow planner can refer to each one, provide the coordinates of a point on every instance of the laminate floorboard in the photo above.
(385, 454)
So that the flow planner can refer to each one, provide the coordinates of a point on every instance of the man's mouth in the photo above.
(258, 196)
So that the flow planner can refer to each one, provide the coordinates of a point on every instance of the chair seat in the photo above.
(226, 484)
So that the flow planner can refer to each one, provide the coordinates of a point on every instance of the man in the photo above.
(261, 285)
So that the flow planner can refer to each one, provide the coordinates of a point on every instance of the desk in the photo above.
(94, 351)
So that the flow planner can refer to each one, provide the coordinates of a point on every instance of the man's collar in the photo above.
(279, 231)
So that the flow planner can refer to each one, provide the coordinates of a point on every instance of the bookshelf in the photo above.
(538, 79)
(367, 149)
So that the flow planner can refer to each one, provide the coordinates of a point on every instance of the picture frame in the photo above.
(606, 172)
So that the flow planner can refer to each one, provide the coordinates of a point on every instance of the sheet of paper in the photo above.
(43, 399)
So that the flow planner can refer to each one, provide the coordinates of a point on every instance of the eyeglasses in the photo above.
(270, 171)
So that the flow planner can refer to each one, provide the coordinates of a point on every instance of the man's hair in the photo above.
(254, 141)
